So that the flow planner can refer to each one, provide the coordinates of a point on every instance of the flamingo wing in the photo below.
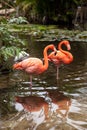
(32, 65)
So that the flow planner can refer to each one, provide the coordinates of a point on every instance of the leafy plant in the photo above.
(19, 20)
(7, 52)
(10, 45)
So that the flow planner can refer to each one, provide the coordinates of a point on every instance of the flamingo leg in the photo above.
(30, 81)
(57, 72)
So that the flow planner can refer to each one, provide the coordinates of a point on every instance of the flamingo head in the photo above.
(53, 53)
(53, 57)
(66, 43)
(17, 66)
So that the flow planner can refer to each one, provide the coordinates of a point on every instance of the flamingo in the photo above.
(34, 65)
(61, 56)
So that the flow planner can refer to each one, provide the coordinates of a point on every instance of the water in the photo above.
(53, 105)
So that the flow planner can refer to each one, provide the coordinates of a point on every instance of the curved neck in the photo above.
(45, 66)
(68, 54)
(66, 43)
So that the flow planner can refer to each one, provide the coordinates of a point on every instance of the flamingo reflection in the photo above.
(33, 103)
(37, 110)
(60, 103)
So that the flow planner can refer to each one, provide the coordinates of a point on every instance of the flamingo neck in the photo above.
(66, 43)
(68, 54)
(45, 66)
(46, 63)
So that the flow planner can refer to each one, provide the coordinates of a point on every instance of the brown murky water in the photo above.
(53, 105)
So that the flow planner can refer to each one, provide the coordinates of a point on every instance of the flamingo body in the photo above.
(31, 65)
(61, 56)
(35, 65)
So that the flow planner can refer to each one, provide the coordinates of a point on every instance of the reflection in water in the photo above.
(38, 111)
(33, 104)
(60, 102)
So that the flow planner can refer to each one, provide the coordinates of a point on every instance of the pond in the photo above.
(53, 105)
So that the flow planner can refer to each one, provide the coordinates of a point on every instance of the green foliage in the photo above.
(7, 38)
(7, 52)
(3, 20)
(25, 1)
(51, 8)
(47, 33)
(10, 45)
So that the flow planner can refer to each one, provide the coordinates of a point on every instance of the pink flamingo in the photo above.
(34, 65)
(61, 56)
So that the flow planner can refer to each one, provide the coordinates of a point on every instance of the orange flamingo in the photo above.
(34, 65)
(61, 56)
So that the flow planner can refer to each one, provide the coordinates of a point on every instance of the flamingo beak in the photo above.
(55, 50)
(69, 47)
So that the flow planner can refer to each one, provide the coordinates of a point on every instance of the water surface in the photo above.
(53, 105)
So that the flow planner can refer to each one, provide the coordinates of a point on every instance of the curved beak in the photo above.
(55, 50)
(68, 47)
